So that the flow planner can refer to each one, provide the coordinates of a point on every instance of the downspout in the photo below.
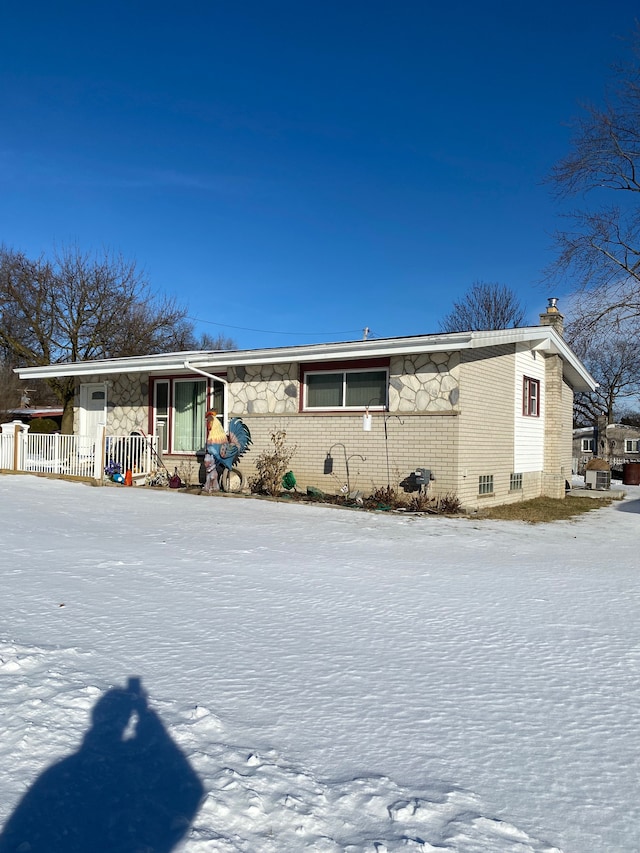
(225, 390)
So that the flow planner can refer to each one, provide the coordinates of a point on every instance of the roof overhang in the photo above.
(540, 338)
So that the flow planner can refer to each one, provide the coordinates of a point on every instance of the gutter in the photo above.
(225, 390)
(544, 338)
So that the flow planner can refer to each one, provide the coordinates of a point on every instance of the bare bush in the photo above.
(272, 465)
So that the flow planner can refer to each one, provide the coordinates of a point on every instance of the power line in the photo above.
(271, 331)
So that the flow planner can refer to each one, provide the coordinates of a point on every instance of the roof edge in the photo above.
(543, 337)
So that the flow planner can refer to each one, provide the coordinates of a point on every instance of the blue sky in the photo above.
(296, 171)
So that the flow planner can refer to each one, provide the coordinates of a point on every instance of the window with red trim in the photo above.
(531, 397)
(178, 409)
(345, 389)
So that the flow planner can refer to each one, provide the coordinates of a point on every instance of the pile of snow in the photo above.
(333, 680)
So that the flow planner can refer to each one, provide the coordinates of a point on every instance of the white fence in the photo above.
(617, 462)
(138, 453)
(6, 451)
(78, 455)
(58, 454)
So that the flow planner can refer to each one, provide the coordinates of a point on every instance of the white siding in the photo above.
(528, 453)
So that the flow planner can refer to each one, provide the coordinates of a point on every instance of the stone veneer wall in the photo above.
(424, 383)
(417, 383)
(263, 389)
(127, 403)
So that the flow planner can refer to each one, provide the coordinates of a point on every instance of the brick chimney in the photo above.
(552, 317)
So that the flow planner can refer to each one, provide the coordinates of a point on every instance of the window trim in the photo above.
(167, 420)
(344, 369)
(629, 445)
(589, 441)
(530, 384)
(182, 380)
(171, 381)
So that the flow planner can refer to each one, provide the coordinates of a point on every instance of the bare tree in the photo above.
(484, 306)
(14, 393)
(601, 246)
(78, 306)
(213, 343)
(615, 364)
(9, 391)
(630, 417)
(608, 347)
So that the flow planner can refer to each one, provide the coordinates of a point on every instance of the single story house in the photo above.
(487, 413)
(616, 443)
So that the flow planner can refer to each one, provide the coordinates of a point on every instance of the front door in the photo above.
(93, 408)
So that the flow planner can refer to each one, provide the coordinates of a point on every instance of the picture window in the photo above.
(346, 389)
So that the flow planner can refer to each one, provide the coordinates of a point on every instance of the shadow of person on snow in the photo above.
(128, 789)
(629, 506)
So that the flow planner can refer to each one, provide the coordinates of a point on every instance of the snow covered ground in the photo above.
(338, 680)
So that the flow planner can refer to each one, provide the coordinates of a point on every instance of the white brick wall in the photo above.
(486, 424)
(427, 441)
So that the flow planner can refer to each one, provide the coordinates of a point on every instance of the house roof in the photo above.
(38, 412)
(539, 338)
(589, 430)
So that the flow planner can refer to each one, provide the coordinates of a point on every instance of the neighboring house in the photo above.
(489, 414)
(616, 443)
(28, 415)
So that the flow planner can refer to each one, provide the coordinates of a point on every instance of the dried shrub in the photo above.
(184, 471)
(448, 504)
(421, 502)
(384, 497)
(272, 465)
(597, 464)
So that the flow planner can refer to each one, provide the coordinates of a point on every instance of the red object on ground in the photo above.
(128, 478)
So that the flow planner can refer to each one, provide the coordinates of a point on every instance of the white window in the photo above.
(485, 484)
(587, 445)
(161, 408)
(515, 482)
(346, 389)
(631, 445)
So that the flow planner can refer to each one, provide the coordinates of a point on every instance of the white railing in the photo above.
(79, 455)
(6, 451)
(59, 454)
(137, 453)
(616, 462)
